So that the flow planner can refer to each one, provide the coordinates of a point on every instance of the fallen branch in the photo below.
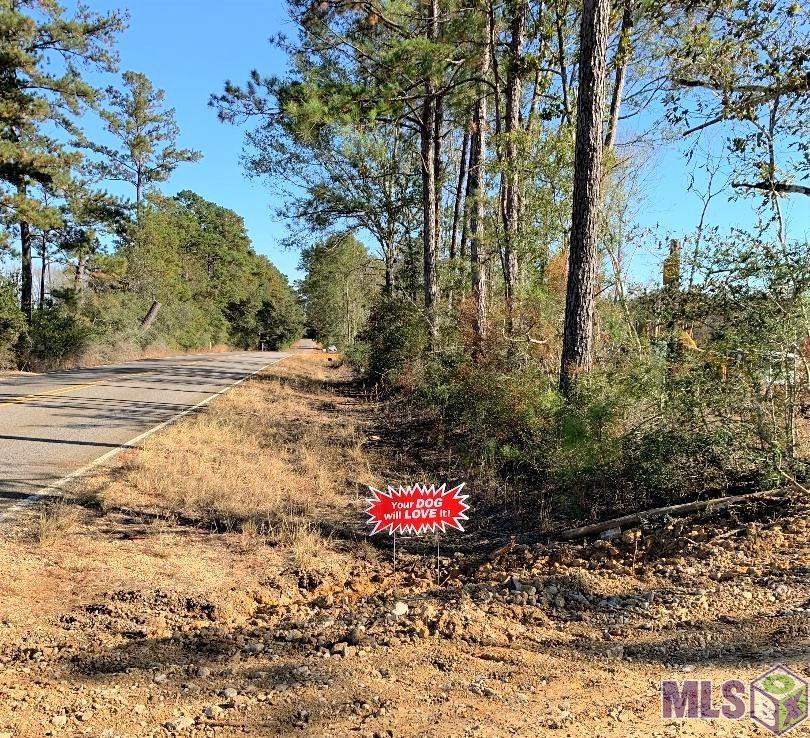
(629, 521)
(794, 484)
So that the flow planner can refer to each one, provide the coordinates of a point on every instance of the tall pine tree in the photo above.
(42, 55)
(146, 132)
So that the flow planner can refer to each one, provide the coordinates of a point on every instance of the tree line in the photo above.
(491, 153)
(103, 260)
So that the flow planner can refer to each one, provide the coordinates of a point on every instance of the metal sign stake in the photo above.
(438, 569)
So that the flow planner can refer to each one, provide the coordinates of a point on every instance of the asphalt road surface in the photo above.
(54, 425)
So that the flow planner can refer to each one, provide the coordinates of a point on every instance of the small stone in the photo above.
(399, 609)
(355, 636)
(180, 723)
(254, 647)
(203, 671)
(229, 693)
(159, 678)
(420, 630)
(213, 711)
(59, 721)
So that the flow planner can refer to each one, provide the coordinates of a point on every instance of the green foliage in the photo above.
(196, 259)
(338, 289)
(146, 134)
(395, 334)
(444, 130)
(654, 423)
(42, 55)
(281, 318)
(58, 336)
(12, 323)
(191, 255)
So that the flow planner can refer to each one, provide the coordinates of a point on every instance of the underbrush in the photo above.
(86, 328)
(642, 429)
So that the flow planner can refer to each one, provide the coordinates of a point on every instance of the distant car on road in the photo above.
(332, 349)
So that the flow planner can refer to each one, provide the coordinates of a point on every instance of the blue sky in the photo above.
(190, 47)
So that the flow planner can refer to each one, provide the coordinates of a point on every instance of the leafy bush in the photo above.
(635, 434)
(394, 337)
(12, 324)
(58, 337)
(280, 320)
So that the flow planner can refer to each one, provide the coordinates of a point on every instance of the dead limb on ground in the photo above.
(629, 521)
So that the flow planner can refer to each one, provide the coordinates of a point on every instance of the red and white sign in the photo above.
(416, 510)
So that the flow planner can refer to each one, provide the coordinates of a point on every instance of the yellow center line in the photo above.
(75, 387)
(50, 393)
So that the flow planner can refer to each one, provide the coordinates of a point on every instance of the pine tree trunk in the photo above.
(459, 199)
(389, 270)
(146, 323)
(43, 253)
(583, 262)
(78, 280)
(476, 205)
(430, 195)
(27, 273)
(563, 65)
(511, 180)
(621, 63)
(429, 199)
(438, 120)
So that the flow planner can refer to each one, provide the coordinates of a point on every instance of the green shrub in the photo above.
(12, 324)
(631, 437)
(391, 342)
(58, 337)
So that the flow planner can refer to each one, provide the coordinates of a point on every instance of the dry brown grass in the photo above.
(256, 475)
(273, 459)
(53, 521)
(306, 548)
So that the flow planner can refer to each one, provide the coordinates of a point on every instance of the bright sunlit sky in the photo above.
(190, 47)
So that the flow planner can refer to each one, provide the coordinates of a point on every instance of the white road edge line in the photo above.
(60, 483)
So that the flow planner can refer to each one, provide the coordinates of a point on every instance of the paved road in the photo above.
(52, 425)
